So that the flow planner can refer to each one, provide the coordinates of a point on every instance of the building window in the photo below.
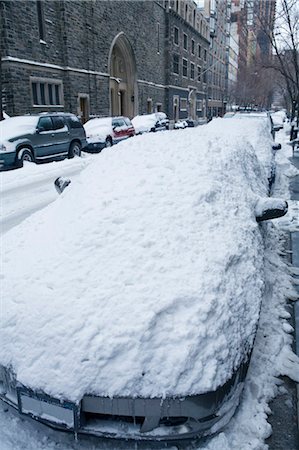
(185, 42)
(158, 107)
(185, 67)
(205, 77)
(176, 60)
(176, 36)
(46, 92)
(198, 73)
(183, 104)
(205, 54)
(40, 19)
(199, 51)
(149, 106)
(199, 105)
(192, 70)
(192, 47)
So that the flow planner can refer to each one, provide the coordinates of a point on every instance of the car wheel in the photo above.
(25, 155)
(108, 142)
(75, 150)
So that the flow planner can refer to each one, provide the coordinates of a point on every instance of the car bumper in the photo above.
(94, 147)
(7, 160)
(147, 419)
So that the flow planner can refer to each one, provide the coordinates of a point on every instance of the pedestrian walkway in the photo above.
(285, 407)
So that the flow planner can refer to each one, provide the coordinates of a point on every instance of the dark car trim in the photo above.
(150, 419)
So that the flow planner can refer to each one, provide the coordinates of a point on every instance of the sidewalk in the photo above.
(285, 407)
(294, 188)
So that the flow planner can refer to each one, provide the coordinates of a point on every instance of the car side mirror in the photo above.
(276, 127)
(61, 183)
(270, 208)
(276, 146)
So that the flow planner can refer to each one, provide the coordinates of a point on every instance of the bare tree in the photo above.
(284, 40)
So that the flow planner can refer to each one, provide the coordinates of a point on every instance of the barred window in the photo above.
(183, 104)
(46, 92)
(192, 70)
(176, 36)
(192, 46)
(175, 63)
(199, 50)
(40, 19)
(185, 42)
(185, 67)
(198, 73)
(199, 105)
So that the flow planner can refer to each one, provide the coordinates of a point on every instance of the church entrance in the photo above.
(123, 84)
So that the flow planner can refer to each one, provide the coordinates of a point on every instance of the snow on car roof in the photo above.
(15, 126)
(97, 130)
(145, 277)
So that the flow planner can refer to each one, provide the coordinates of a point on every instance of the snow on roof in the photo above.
(15, 126)
(144, 123)
(145, 277)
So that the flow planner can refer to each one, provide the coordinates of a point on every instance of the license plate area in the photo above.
(62, 414)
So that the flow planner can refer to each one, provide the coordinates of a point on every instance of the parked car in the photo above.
(180, 124)
(120, 317)
(40, 138)
(279, 117)
(150, 123)
(107, 131)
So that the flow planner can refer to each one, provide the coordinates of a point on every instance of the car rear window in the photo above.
(58, 123)
(45, 123)
(74, 122)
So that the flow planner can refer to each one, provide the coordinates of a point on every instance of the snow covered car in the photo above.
(40, 138)
(180, 124)
(278, 117)
(107, 131)
(150, 123)
(136, 317)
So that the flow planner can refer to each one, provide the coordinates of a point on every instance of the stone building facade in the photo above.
(100, 58)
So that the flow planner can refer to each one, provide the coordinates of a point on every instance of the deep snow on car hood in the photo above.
(145, 277)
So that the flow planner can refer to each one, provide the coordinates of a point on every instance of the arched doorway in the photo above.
(123, 84)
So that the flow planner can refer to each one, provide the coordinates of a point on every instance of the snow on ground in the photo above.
(271, 356)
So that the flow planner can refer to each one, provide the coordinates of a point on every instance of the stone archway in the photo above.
(123, 83)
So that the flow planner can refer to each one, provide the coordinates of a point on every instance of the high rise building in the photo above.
(216, 11)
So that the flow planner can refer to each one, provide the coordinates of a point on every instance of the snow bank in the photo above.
(145, 277)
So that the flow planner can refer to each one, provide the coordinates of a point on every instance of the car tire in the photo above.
(25, 154)
(74, 150)
(109, 142)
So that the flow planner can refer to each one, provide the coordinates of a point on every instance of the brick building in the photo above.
(101, 58)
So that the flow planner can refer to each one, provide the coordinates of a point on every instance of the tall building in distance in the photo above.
(216, 12)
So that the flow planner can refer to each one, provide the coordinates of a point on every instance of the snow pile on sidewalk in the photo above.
(144, 278)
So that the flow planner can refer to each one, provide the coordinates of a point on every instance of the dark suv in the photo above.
(40, 138)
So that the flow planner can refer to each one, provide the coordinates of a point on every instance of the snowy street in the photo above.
(28, 191)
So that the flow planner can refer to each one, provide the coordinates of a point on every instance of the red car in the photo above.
(107, 131)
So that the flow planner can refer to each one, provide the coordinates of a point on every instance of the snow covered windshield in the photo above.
(16, 126)
(145, 277)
